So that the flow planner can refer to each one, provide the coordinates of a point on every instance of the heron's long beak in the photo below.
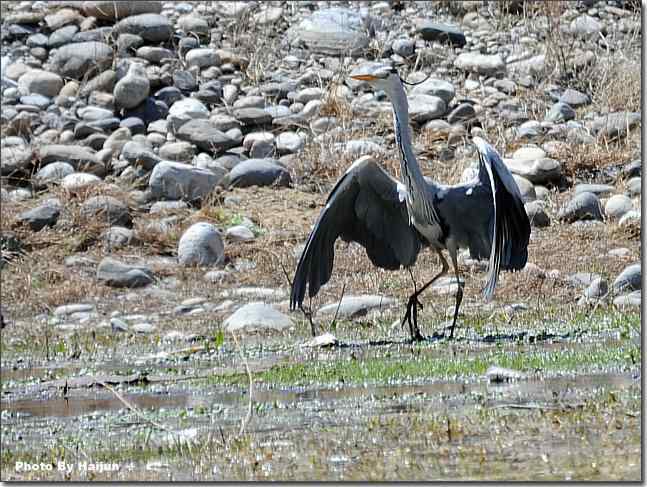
(364, 77)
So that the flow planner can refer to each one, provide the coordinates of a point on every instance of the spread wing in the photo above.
(511, 231)
(363, 207)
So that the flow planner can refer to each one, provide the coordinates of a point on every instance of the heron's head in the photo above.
(381, 77)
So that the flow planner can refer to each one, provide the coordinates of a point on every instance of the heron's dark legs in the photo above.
(459, 292)
(411, 316)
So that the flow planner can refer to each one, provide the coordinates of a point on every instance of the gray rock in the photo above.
(436, 87)
(150, 27)
(585, 26)
(103, 82)
(356, 306)
(357, 148)
(155, 54)
(583, 279)
(118, 274)
(118, 325)
(598, 289)
(536, 171)
(617, 206)
(526, 188)
(92, 113)
(632, 169)
(133, 88)
(404, 47)
(433, 31)
(257, 172)
(166, 206)
(615, 124)
(70, 309)
(45, 215)
(107, 209)
(596, 189)
(634, 186)
(560, 112)
(253, 116)
(201, 244)
(177, 151)
(34, 40)
(193, 23)
(116, 237)
(110, 10)
(183, 81)
(462, 113)
(633, 300)
(177, 181)
(15, 159)
(536, 214)
(205, 136)
(257, 317)
(64, 35)
(37, 81)
(144, 328)
(81, 158)
(61, 18)
(51, 174)
(486, 64)
(584, 206)
(141, 154)
(307, 94)
(288, 143)
(630, 279)
(79, 181)
(202, 58)
(239, 233)
(333, 31)
(574, 98)
(426, 107)
(630, 218)
(77, 59)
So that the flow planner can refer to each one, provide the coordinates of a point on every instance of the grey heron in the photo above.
(394, 220)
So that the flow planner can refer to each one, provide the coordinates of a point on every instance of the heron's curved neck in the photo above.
(410, 169)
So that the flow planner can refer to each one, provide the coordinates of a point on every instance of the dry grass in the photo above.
(583, 160)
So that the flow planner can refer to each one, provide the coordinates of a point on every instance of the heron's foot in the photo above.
(411, 318)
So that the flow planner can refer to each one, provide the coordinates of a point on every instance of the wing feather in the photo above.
(510, 225)
(363, 207)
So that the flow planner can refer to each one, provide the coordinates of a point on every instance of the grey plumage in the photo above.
(394, 221)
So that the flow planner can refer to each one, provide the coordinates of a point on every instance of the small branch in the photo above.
(134, 408)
